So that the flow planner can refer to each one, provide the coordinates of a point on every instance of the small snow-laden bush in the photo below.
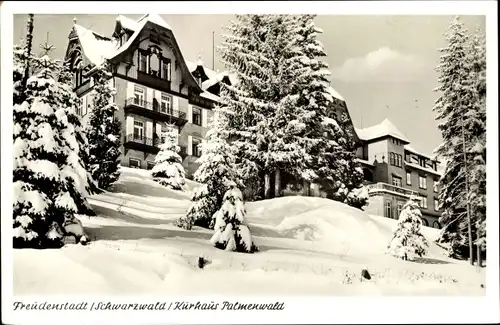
(408, 241)
(168, 169)
(231, 228)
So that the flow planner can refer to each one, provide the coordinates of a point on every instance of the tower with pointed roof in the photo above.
(394, 172)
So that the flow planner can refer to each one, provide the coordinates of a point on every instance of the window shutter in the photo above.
(130, 89)
(190, 145)
(175, 102)
(149, 129)
(158, 131)
(130, 125)
(84, 105)
(149, 97)
(204, 118)
(190, 113)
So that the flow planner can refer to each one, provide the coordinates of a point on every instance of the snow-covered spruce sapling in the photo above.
(408, 241)
(168, 169)
(231, 228)
(216, 173)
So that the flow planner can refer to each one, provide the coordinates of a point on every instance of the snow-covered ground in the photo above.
(308, 246)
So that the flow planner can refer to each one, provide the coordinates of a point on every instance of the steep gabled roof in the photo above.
(127, 23)
(386, 128)
(94, 46)
(138, 28)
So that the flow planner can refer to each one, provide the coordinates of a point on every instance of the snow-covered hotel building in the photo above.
(157, 88)
(393, 171)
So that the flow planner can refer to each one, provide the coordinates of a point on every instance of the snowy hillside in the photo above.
(319, 245)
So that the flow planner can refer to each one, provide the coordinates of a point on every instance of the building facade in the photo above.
(157, 89)
(393, 171)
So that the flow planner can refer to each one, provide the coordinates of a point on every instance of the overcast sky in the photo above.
(383, 66)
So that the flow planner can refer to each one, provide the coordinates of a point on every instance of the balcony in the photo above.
(374, 189)
(154, 112)
(141, 143)
(153, 80)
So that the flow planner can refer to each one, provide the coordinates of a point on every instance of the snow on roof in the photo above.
(141, 22)
(125, 46)
(210, 96)
(426, 169)
(127, 23)
(95, 46)
(411, 149)
(366, 162)
(218, 78)
(155, 18)
(386, 128)
(335, 94)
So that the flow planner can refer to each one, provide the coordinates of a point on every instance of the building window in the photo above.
(138, 130)
(423, 202)
(425, 222)
(400, 208)
(436, 225)
(150, 165)
(166, 104)
(195, 149)
(407, 157)
(408, 178)
(435, 186)
(196, 116)
(388, 209)
(79, 108)
(422, 182)
(134, 163)
(396, 181)
(139, 95)
(421, 162)
(395, 159)
(166, 68)
(436, 204)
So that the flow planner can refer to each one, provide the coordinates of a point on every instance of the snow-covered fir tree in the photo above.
(462, 126)
(477, 178)
(104, 131)
(168, 169)
(78, 154)
(262, 51)
(216, 173)
(43, 179)
(231, 228)
(344, 183)
(408, 241)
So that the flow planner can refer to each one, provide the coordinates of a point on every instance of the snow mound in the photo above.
(317, 219)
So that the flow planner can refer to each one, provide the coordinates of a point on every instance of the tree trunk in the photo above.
(479, 257)
(277, 183)
(29, 42)
(267, 186)
(305, 188)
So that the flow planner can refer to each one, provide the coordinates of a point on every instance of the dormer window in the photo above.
(123, 39)
(143, 62)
